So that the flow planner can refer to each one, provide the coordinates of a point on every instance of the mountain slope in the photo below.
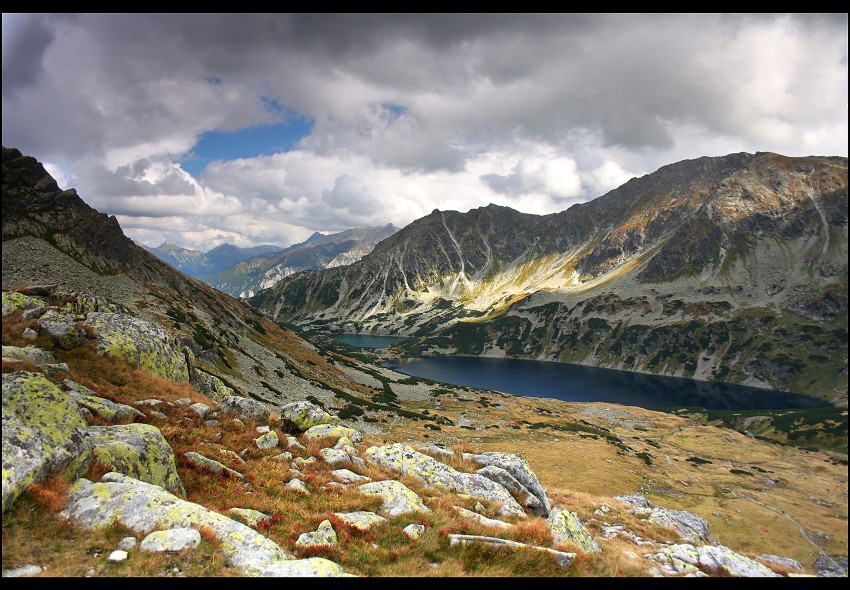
(730, 268)
(318, 251)
(196, 263)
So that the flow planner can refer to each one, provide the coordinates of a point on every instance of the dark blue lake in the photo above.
(367, 340)
(577, 383)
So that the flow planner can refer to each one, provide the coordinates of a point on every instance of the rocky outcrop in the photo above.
(406, 460)
(44, 433)
(361, 520)
(211, 464)
(102, 407)
(690, 527)
(519, 468)
(13, 301)
(685, 559)
(139, 342)
(563, 558)
(396, 497)
(323, 535)
(139, 451)
(243, 407)
(566, 528)
(61, 328)
(144, 507)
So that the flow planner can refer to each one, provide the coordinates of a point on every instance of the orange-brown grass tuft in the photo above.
(51, 494)
(96, 470)
(208, 534)
(532, 531)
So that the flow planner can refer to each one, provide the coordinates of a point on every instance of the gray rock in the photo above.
(690, 527)
(144, 508)
(785, 562)
(303, 415)
(44, 433)
(414, 531)
(520, 468)
(139, 342)
(503, 477)
(324, 535)
(127, 543)
(334, 456)
(61, 328)
(334, 431)
(30, 334)
(30, 354)
(297, 485)
(211, 464)
(248, 516)
(489, 522)
(397, 498)
(117, 556)
(200, 409)
(711, 557)
(211, 386)
(566, 527)
(346, 476)
(404, 459)
(827, 567)
(361, 519)
(292, 443)
(243, 407)
(24, 571)
(137, 450)
(267, 441)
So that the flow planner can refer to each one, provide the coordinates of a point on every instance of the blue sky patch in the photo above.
(262, 140)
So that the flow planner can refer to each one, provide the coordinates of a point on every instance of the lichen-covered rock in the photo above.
(312, 567)
(333, 431)
(29, 354)
(345, 444)
(104, 408)
(29, 334)
(303, 415)
(144, 507)
(503, 477)
(200, 409)
(84, 304)
(360, 519)
(171, 540)
(13, 301)
(519, 467)
(690, 527)
(213, 387)
(712, 558)
(563, 558)
(292, 443)
(324, 535)
(139, 342)
(249, 516)
(44, 433)
(267, 441)
(334, 456)
(404, 459)
(785, 562)
(347, 476)
(243, 407)
(297, 485)
(212, 464)
(61, 328)
(434, 449)
(397, 498)
(566, 527)
(139, 451)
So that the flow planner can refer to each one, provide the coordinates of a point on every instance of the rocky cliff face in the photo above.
(731, 268)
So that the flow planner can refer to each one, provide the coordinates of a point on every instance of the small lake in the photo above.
(578, 383)
(367, 340)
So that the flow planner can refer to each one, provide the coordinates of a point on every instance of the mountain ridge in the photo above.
(727, 239)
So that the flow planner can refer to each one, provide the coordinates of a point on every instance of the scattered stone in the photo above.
(24, 571)
(334, 456)
(13, 301)
(297, 485)
(284, 456)
(518, 467)
(61, 328)
(157, 414)
(200, 409)
(292, 443)
(29, 354)
(785, 562)
(361, 519)
(267, 441)
(127, 543)
(346, 476)
(324, 535)
(690, 527)
(231, 455)
(640, 505)
(117, 556)
(29, 334)
(263, 429)
(435, 450)
(183, 401)
(302, 462)
(333, 431)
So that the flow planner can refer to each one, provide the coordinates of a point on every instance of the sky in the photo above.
(261, 129)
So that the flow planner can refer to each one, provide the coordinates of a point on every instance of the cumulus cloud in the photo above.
(412, 111)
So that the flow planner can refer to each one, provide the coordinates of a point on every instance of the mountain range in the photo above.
(729, 268)
(198, 264)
